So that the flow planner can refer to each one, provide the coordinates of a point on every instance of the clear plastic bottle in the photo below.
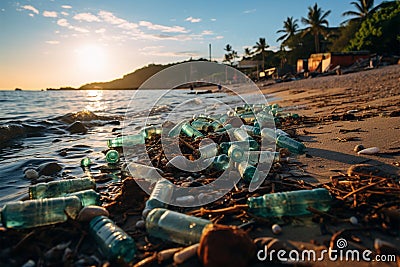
(112, 156)
(236, 153)
(292, 203)
(291, 144)
(160, 196)
(174, 226)
(128, 141)
(261, 157)
(190, 131)
(114, 243)
(245, 145)
(88, 197)
(248, 172)
(39, 212)
(148, 173)
(209, 151)
(224, 128)
(60, 188)
(241, 135)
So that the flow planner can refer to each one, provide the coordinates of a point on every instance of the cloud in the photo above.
(213, 19)
(102, 30)
(111, 18)
(66, 6)
(207, 32)
(31, 8)
(162, 28)
(249, 11)
(64, 13)
(193, 20)
(50, 14)
(66, 24)
(88, 17)
(160, 52)
(52, 42)
(219, 37)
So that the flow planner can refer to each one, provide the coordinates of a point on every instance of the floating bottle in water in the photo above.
(236, 153)
(174, 226)
(114, 243)
(112, 156)
(39, 212)
(248, 172)
(160, 196)
(88, 197)
(60, 188)
(292, 203)
(128, 141)
(291, 144)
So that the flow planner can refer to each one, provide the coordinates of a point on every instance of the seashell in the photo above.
(89, 212)
(276, 229)
(369, 151)
(185, 254)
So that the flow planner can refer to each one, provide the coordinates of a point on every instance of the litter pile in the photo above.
(64, 219)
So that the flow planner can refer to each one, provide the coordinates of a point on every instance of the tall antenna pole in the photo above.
(209, 51)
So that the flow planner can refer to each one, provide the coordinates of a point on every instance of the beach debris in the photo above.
(395, 113)
(114, 243)
(141, 224)
(31, 174)
(385, 247)
(295, 203)
(159, 197)
(353, 220)
(167, 254)
(29, 263)
(358, 148)
(112, 156)
(369, 151)
(365, 170)
(86, 162)
(77, 127)
(87, 197)
(55, 255)
(186, 253)
(89, 212)
(174, 226)
(60, 188)
(49, 168)
(276, 229)
(39, 212)
(222, 245)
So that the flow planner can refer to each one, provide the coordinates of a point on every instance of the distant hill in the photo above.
(132, 80)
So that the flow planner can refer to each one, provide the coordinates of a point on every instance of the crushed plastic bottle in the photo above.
(39, 212)
(60, 188)
(174, 226)
(291, 203)
(114, 243)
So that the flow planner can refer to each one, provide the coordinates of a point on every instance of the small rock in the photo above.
(369, 151)
(358, 148)
(141, 224)
(49, 168)
(89, 212)
(276, 229)
(77, 127)
(395, 113)
(353, 220)
(365, 170)
(31, 174)
(29, 263)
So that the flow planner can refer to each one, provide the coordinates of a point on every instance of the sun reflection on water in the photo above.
(95, 100)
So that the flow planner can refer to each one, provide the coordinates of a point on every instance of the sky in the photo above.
(58, 43)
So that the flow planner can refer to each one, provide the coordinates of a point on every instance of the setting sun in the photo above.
(91, 58)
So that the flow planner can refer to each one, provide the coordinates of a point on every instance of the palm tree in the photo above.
(260, 47)
(228, 56)
(363, 7)
(247, 52)
(228, 48)
(316, 19)
(290, 27)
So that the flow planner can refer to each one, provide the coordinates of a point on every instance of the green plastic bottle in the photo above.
(176, 130)
(60, 188)
(250, 145)
(190, 131)
(291, 144)
(174, 226)
(151, 131)
(251, 129)
(220, 162)
(248, 172)
(236, 153)
(292, 203)
(88, 197)
(128, 141)
(112, 156)
(39, 212)
(114, 243)
(201, 125)
(85, 162)
(160, 196)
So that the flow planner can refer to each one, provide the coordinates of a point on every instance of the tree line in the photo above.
(366, 27)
